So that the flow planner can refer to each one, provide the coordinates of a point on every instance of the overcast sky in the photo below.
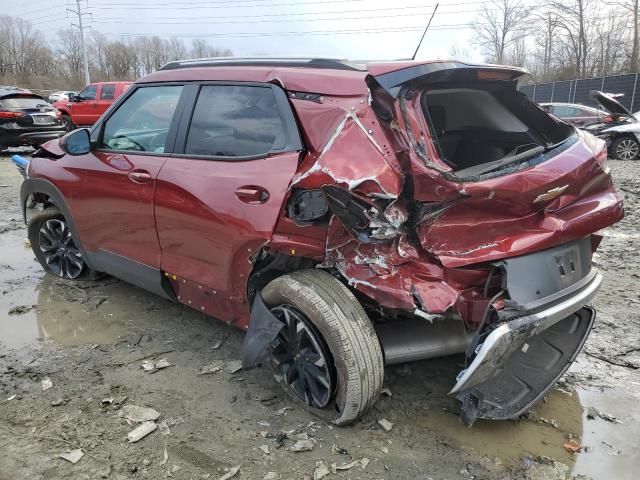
(335, 28)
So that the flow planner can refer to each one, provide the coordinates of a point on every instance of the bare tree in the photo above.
(498, 26)
(70, 53)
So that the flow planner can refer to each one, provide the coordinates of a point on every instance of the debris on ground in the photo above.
(321, 471)
(615, 450)
(544, 468)
(385, 424)
(336, 449)
(231, 473)
(73, 456)
(302, 446)
(572, 446)
(218, 343)
(165, 457)
(163, 426)
(387, 392)
(58, 402)
(11, 397)
(233, 366)
(141, 431)
(152, 366)
(363, 462)
(264, 448)
(46, 383)
(214, 367)
(593, 413)
(282, 412)
(384, 449)
(138, 414)
(21, 309)
(270, 476)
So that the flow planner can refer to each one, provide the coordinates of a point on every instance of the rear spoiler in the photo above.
(393, 75)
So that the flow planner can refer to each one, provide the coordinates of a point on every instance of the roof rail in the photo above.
(328, 63)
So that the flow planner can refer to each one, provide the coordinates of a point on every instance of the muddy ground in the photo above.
(90, 339)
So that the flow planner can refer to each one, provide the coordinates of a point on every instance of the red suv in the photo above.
(85, 108)
(347, 216)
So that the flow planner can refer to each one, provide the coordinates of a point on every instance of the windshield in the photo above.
(24, 102)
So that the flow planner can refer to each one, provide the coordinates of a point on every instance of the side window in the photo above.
(235, 121)
(108, 92)
(142, 122)
(89, 93)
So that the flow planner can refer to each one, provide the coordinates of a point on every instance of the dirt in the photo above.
(90, 339)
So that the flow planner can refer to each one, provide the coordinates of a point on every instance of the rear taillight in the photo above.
(6, 114)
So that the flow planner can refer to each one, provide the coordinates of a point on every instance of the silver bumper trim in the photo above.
(509, 336)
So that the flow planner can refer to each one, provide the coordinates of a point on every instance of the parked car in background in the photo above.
(84, 109)
(27, 119)
(579, 115)
(622, 132)
(347, 217)
(61, 96)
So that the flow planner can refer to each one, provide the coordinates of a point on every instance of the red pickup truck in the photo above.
(84, 109)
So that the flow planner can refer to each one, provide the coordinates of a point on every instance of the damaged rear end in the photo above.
(465, 218)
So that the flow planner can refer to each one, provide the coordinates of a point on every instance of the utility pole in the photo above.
(79, 26)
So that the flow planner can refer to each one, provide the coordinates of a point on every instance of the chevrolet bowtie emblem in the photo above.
(551, 194)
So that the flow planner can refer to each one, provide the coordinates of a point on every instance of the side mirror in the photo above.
(75, 98)
(77, 142)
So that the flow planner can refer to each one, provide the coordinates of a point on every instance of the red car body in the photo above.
(87, 106)
(432, 236)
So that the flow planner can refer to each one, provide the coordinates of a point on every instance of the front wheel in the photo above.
(626, 148)
(53, 245)
(68, 123)
(327, 352)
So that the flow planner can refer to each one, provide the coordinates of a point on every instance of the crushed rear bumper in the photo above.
(521, 359)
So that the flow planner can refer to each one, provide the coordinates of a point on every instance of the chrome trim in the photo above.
(500, 343)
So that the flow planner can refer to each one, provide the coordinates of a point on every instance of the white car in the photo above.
(623, 133)
(61, 95)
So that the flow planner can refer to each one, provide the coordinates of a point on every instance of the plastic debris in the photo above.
(46, 383)
(270, 476)
(231, 473)
(302, 446)
(73, 456)
(264, 448)
(141, 431)
(11, 397)
(138, 414)
(321, 471)
(593, 412)
(163, 426)
(233, 366)
(214, 367)
(385, 424)
(57, 402)
(165, 457)
(384, 449)
(148, 365)
(572, 446)
(387, 392)
(282, 412)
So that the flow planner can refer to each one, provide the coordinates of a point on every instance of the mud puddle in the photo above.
(36, 307)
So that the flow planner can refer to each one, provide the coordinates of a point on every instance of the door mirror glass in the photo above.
(76, 142)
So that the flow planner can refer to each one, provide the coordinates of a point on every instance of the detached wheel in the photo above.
(327, 353)
(626, 148)
(53, 245)
(68, 123)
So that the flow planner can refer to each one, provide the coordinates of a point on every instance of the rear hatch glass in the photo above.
(24, 102)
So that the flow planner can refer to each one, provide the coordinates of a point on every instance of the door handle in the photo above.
(251, 194)
(140, 176)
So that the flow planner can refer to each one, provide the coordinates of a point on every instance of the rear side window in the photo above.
(24, 102)
(141, 123)
(108, 92)
(235, 121)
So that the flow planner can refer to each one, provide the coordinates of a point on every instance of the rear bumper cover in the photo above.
(526, 356)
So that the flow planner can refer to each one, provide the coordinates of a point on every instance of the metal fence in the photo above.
(577, 91)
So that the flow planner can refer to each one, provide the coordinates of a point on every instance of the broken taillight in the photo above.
(10, 115)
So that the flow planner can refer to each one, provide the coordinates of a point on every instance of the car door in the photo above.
(83, 111)
(219, 196)
(114, 211)
(106, 96)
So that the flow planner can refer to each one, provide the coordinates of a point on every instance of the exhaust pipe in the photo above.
(408, 340)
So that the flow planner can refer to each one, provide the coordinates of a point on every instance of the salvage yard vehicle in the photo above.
(85, 108)
(576, 114)
(622, 132)
(27, 119)
(347, 217)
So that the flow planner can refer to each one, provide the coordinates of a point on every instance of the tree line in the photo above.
(560, 39)
(27, 59)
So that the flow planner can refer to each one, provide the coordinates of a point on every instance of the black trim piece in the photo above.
(39, 185)
(263, 329)
(131, 271)
(321, 63)
(311, 97)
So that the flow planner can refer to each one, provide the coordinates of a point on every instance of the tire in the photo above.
(66, 119)
(353, 352)
(53, 245)
(626, 148)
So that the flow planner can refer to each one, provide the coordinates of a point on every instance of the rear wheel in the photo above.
(68, 123)
(53, 245)
(327, 353)
(626, 148)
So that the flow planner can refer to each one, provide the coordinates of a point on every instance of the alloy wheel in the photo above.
(627, 149)
(302, 358)
(60, 252)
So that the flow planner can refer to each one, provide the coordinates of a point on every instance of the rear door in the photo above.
(106, 96)
(218, 198)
